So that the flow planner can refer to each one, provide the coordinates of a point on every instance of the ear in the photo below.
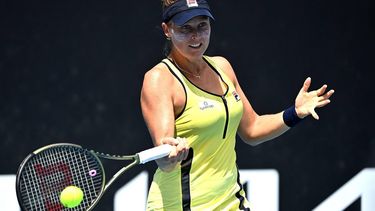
(166, 30)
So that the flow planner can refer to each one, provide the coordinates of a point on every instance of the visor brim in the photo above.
(183, 17)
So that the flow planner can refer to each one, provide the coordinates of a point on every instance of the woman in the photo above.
(195, 103)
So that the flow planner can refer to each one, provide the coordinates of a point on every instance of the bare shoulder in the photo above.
(160, 89)
(158, 73)
(157, 77)
(225, 66)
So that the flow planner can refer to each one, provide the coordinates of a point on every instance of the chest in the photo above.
(210, 114)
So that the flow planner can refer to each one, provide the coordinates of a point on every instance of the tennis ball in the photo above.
(71, 196)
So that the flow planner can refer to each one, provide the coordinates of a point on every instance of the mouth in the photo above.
(196, 46)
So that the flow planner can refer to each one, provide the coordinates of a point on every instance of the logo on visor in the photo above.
(192, 3)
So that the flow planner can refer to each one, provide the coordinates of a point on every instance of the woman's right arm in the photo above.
(158, 97)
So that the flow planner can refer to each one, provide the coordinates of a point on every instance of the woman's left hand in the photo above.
(306, 101)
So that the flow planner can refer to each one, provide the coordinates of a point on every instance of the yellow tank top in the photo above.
(208, 179)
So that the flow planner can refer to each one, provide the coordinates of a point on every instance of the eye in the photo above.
(203, 24)
(203, 27)
(185, 29)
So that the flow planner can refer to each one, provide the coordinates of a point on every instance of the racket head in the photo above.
(43, 174)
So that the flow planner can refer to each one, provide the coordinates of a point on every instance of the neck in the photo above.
(187, 67)
(193, 67)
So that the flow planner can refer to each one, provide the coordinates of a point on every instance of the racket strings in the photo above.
(31, 191)
(47, 173)
(55, 176)
(91, 193)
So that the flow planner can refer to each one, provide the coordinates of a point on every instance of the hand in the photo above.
(306, 101)
(179, 153)
(180, 150)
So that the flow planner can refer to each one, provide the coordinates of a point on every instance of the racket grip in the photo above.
(154, 153)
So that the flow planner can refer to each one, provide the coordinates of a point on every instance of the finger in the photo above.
(326, 96)
(182, 149)
(322, 90)
(329, 93)
(169, 140)
(322, 98)
(173, 152)
(180, 140)
(306, 84)
(175, 155)
(322, 103)
(183, 143)
(314, 114)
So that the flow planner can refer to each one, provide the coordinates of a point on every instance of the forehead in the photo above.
(197, 20)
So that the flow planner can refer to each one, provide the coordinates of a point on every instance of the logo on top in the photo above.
(192, 3)
(236, 96)
(205, 104)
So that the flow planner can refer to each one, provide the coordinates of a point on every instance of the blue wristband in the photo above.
(290, 116)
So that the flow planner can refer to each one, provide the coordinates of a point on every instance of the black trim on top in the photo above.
(226, 115)
(239, 196)
(222, 97)
(213, 68)
(185, 180)
(183, 86)
(217, 72)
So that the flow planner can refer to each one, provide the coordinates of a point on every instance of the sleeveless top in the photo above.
(208, 179)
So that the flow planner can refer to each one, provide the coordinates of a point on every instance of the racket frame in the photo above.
(97, 155)
(139, 158)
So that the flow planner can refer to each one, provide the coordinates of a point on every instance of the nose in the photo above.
(195, 35)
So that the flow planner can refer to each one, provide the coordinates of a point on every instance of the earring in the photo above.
(168, 38)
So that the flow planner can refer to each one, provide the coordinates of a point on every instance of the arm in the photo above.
(158, 109)
(255, 129)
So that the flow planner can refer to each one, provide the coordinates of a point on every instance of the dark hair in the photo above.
(167, 47)
(168, 43)
(166, 3)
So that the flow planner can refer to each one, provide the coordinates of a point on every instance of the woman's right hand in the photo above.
(179, 153)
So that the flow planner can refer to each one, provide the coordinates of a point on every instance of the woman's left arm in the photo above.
(255, 129)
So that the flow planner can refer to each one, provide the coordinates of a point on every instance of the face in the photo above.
(192, 38)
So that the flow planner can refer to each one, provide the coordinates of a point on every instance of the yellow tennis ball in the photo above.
(71, 196)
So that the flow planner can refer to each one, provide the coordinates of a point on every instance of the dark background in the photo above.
(71, 71)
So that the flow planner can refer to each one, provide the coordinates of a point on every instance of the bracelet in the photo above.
(290, 116)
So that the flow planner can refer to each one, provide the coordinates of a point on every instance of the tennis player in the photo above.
(195, 103)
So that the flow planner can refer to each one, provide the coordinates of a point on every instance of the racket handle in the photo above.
(154, 153)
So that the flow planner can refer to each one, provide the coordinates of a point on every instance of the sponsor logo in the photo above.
(192, 3)
(236, 96)
(205, 104)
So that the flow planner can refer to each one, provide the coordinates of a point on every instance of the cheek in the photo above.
(181, 37)
(205, 34)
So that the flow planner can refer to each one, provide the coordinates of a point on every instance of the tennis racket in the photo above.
(44, 173)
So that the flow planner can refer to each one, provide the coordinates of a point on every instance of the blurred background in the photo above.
(71, 71)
